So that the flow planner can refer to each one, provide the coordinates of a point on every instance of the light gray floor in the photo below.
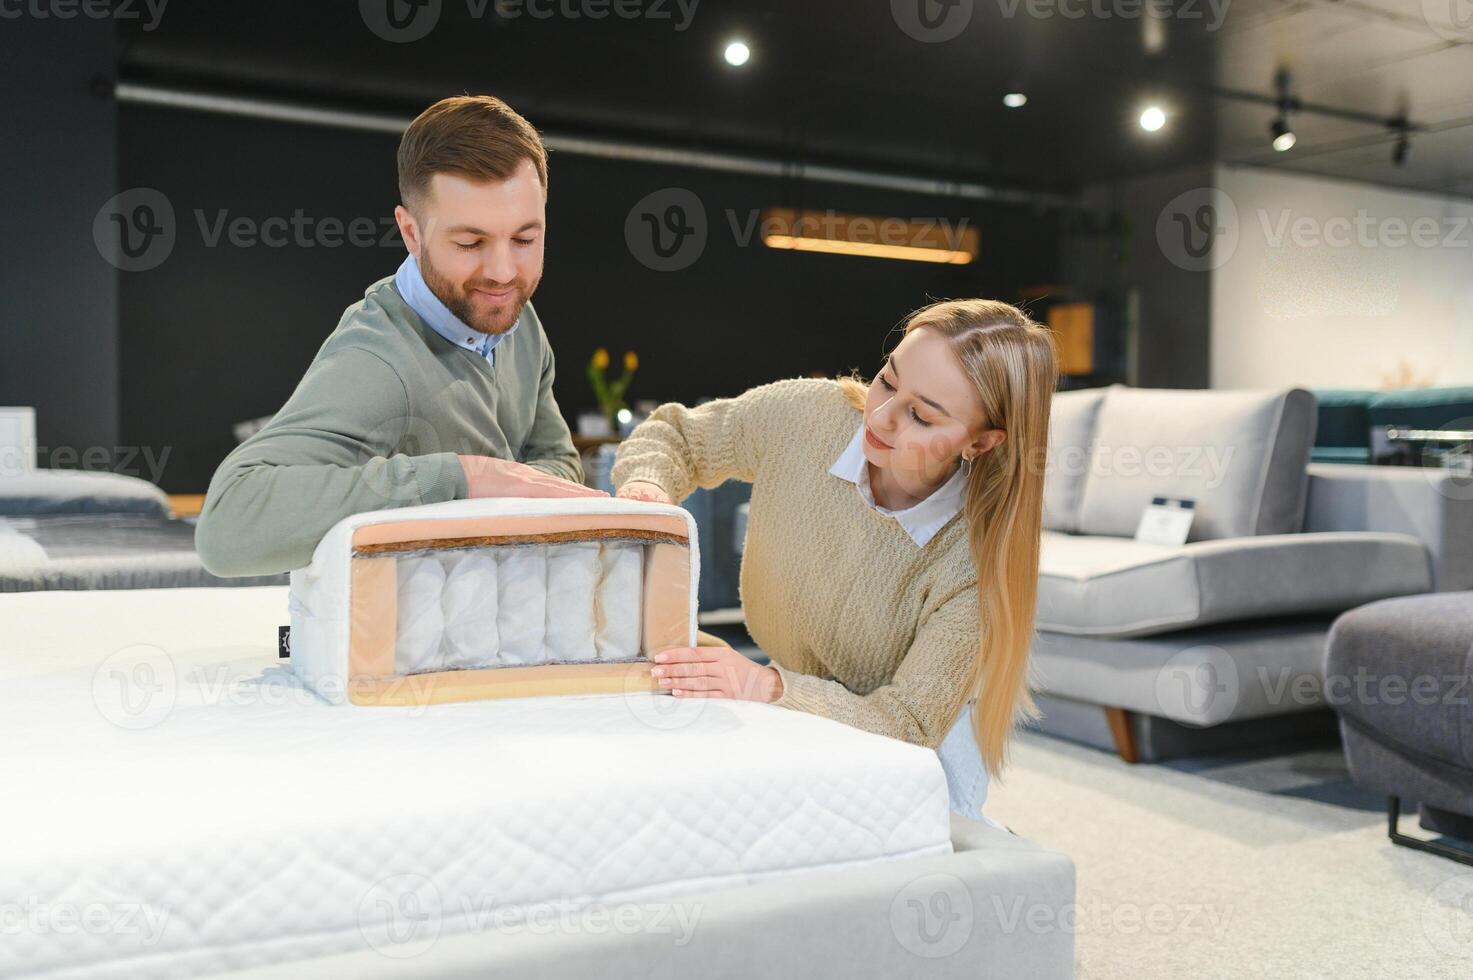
(1262, 865)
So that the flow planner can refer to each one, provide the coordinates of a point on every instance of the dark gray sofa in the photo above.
(1399, 673)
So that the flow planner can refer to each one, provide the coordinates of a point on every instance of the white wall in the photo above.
(1336, 284)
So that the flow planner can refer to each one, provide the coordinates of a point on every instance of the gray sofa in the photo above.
(1156, 650)
(1399, 673)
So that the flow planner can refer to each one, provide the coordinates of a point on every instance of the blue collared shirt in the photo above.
(921, 520)
(422, 300)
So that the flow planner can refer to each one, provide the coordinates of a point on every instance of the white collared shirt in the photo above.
(921, 520)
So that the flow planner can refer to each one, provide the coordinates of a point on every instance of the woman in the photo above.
(873, 511)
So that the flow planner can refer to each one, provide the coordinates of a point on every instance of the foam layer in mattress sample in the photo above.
(502, 606)
(256, 824)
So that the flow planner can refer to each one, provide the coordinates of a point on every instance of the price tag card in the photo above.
(1167, 521)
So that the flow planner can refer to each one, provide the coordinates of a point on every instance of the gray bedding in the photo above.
(38, 492)
(104, 551)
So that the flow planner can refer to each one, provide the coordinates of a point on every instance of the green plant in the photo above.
(610, 394)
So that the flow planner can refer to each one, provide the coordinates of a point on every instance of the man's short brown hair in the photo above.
(475, 136)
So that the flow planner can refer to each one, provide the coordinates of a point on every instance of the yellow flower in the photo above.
(600, 359)
(631, 361)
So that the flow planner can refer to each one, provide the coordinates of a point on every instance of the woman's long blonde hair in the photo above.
(1013, 362)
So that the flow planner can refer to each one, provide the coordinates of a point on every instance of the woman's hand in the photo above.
(715, 672)
(640, 490)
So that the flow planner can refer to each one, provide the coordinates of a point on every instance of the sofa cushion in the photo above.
(1071, 430)
(1092, 585)
(1241, 455)
(1196, 677)
(1422, 408)
(1343, 422)
(1401, 673)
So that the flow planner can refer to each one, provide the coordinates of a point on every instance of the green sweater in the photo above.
(377, 422)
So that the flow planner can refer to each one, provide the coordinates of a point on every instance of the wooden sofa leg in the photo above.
(1122, 733)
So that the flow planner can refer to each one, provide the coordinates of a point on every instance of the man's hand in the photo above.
(640, 490)
(715, 672)
(487, 476)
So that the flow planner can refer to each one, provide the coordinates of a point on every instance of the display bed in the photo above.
(170, 779)
(104, 551)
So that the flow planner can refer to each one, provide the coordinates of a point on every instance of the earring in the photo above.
(967, 463)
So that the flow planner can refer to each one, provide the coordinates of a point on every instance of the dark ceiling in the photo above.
(854, 82)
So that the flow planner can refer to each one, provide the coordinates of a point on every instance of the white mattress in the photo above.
(176, 804)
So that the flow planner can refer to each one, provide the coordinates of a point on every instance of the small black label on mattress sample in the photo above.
(283, 641)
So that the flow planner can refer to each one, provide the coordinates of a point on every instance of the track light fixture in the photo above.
(1283, 136)
(1403, 145)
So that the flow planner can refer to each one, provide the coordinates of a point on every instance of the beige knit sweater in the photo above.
(863, 625)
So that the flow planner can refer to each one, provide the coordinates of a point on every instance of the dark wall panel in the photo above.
(220, 332)
(59, 332)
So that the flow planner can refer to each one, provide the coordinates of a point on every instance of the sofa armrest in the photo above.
(1432, 505)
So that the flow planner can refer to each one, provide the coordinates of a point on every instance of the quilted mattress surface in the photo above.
(177, 804)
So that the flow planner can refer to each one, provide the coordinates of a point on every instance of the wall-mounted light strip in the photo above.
(941, 241)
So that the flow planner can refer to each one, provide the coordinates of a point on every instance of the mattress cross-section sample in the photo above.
(501, 597)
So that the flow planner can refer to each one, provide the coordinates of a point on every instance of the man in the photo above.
(438, 384)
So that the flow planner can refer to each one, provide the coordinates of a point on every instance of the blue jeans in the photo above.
(966, 776)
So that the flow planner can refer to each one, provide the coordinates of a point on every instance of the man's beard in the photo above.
(457, 299)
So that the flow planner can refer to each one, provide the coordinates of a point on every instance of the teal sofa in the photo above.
(1347, 416)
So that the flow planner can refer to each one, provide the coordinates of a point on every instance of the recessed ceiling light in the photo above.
(1153, 117)
(737, 53)
(1015, 100)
